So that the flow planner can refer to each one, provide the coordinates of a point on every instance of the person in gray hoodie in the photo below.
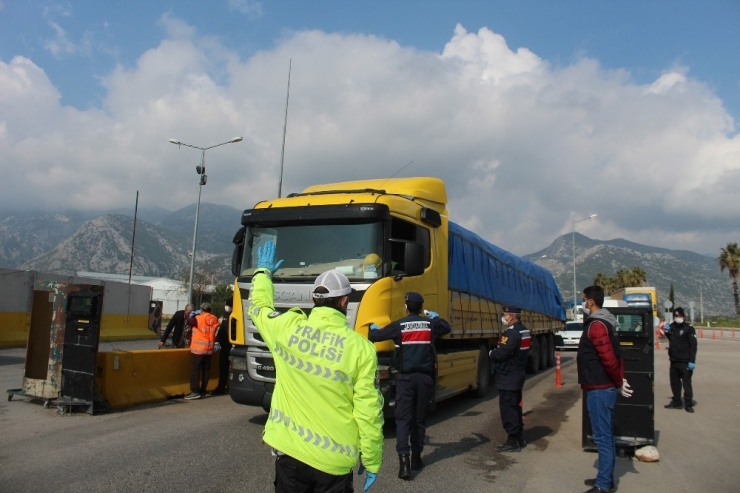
(601, 375)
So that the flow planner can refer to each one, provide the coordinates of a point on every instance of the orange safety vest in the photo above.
(204, 335)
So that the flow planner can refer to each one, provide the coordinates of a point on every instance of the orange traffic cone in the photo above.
(657, 343)
(701, 333)
(721, 332)
(558, 373)
(714, 333)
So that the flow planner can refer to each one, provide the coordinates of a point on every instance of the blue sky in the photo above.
(634, 104)
(645, 38)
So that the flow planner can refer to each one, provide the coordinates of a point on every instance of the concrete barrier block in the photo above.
(130, 378)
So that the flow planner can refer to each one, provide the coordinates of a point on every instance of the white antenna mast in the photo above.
(285, 128)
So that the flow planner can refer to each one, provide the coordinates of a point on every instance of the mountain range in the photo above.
(65, 243)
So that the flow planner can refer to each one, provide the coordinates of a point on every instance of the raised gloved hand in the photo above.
(667, 328)
(372, 327)
(692, 366)
(431, 314)
(626, 391)
(266, 257)
(370, 479)
(194, 313)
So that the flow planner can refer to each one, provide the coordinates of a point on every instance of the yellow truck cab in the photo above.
(388, 236)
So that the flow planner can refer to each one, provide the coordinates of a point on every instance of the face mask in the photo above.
(503, 319)
(678, 320)
(586, 311)
(227, 309)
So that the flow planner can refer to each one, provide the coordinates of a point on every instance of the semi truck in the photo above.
(388, 236)
(641, 296)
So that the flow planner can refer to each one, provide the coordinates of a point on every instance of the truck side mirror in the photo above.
(413, 259)
(236, 256)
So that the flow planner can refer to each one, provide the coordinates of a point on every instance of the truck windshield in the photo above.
(307, 250)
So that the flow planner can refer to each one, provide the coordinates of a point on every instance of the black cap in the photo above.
(678, 312)
(511, 309)
(415, 298)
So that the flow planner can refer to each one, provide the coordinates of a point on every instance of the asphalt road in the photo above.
(215, 445)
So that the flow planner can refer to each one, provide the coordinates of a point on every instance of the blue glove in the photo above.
(692, 366)
(266, 257)
(194, 313)
(217, 347)
(371, 476)
(431, 314)
(372, 327)
(667, 328)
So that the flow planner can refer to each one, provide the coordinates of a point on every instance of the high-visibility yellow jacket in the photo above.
(204, 334)
(326, 409)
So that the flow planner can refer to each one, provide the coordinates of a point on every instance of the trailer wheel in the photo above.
(483, 378)
(550, 350)
(544, 350)
(533, 361)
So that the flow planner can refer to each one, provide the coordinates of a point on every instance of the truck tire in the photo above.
(544, 349)
(483, 378)
(533, 361)
(550, 350)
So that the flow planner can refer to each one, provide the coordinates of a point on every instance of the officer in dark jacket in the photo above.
(222, 338)
(414, 336)
(177, 322)
(510, 361)
(682, 353)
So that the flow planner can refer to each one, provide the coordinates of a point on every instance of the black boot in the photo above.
(404, 470)
(522, 442)
(510, 445)
(416, 463)
(674, 404)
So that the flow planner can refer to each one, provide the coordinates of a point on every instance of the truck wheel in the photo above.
(483, 378)
(542, 339)
(533, 361)
(550, 350)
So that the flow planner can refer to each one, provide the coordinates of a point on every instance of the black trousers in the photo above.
(200, 370)
(412, 404)
(293, 476)
(223, 365)
(679, 374)
(511, 412)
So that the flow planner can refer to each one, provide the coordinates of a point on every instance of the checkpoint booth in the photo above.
(634, 417)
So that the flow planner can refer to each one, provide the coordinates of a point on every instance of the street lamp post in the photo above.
(201, 170)
(575, 288)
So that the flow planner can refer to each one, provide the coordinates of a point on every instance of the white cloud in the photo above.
(251, 8)
(523, 147)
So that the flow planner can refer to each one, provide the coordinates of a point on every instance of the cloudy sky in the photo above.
(536, 114)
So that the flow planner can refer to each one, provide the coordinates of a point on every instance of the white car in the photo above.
(570, 336)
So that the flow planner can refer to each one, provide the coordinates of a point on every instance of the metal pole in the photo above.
(575, 288)
(285, 128)
(574, 271)
(195, 231)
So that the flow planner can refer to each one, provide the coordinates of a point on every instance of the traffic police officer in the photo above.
(682, 353)
(414, 336)
(510, 362)
(326, 409)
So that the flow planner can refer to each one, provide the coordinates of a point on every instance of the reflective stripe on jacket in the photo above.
(204, 335)
(326, 409)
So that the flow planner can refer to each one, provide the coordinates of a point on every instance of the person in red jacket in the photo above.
(601, 375)
(204, 325)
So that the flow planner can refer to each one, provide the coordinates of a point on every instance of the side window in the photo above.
(403, 232)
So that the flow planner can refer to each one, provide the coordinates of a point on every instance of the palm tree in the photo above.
(729, 258)
(639, 278)
(601, 280)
